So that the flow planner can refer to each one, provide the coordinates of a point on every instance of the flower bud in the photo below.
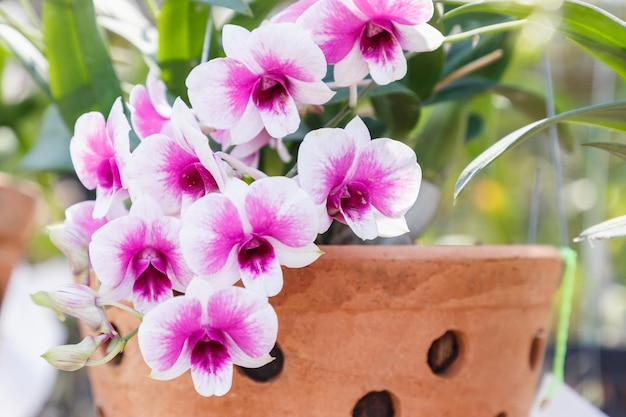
(74, 357)
(78, 301)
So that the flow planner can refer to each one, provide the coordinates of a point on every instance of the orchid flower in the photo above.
(292, 12)
(139, 255)
(150, 112)
(72, 237)
(249, 231)
(368, 36)
(265, 74)
(176, 170)
(208, 330)
(99, 152)
(367, 184)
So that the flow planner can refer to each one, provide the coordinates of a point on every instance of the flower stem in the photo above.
(498, 27)
(123, 307)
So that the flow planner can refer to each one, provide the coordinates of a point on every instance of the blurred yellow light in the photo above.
(489, 196)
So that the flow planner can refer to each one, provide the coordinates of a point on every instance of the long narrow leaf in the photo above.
(31, 58)
(615, 227)
(608, 115)
(82, 77)
(595, 30)
(617, 149)
(181, 27)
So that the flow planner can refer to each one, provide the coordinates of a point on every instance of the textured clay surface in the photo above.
(362, 319)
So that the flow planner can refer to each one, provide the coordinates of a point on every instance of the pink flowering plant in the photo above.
(207, 185)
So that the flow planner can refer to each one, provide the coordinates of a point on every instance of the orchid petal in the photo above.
(310, 92)
(351, 69)
(145, 118)
(246, 317)
(325, 158)
(278, 207)
(335, 28)
(418, 38)
(89, 146)
(211, 368)
(393, 177)
(113, 247)
(362, 222)
(296, 257)
(219, 91)
(407, 12)
(383, 55)
(262, 273)
(164, 333)
(212, 226)
(390, 227)
(292, 12)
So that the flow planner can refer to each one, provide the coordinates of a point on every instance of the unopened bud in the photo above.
(74, 357)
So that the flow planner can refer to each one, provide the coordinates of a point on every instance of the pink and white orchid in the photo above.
(72, 237)
(266, 73)
(139, 255)
(99, 152)
(249, 152)
(367, 184)
(248, 232)
(208, 330)
(369, 36)
(150, 112)
(177, 169)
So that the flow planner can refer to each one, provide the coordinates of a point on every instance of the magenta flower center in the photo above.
(270, 92)
(109, 174)
(196, 180)
(209, 355)
(354, 197)
(152, 281)
(256, 254)
(376, 40)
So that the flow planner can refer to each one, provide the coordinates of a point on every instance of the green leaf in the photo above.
(440, 137)
(399, 111)
(82, 77)
(51, 151)
(592, 28)
(608, 115)
(182, 25)
(28, 54)
(260, 10)
(617, 149)
(126, 20)
(608, 229)
(236, 5)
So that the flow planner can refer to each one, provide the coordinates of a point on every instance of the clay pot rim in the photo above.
(417, 252)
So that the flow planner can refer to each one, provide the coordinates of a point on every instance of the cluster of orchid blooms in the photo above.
(201, 220)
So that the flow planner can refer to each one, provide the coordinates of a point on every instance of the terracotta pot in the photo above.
(370, 319)
(17, 214)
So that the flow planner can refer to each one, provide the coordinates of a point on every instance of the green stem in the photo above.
(154, 9)
(499, 27)
(123, 307)
(30, 11)
(121, 343)
(565, 309)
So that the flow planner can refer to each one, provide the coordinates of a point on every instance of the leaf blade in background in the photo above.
(259, 11)
(236, 5)
(607, 115)
(617, 149)
(28, 54)
(182, 25)
(596, 31)
(51, 151)
(82, 77)
(608, 229)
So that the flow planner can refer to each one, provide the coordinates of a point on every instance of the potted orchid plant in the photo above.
(237, 157)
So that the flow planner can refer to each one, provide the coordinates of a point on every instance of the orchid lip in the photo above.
(195, 179)
(270, 89)
(255, 254)
(108, 173)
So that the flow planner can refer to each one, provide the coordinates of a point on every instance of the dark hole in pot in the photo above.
(99, 412)
(117, 359)
(537, 347)
(443, 352)
(267, 372)
(501, 414)
(374, 404)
